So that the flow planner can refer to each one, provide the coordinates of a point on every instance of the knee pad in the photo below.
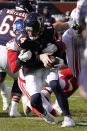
(36, 100)
(2, 76)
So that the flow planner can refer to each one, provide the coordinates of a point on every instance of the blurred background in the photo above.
(59, 10)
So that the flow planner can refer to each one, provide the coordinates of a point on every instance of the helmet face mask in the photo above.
(33, 25)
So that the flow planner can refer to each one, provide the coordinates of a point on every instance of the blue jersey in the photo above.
(7, 19)
(37, 47)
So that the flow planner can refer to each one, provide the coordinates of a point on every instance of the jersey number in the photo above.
(5, 27)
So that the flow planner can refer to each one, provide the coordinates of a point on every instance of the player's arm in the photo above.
(12, 56)
(15, 59)
(61, 26)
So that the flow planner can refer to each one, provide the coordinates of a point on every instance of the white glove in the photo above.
(51, 48)
(24, 56)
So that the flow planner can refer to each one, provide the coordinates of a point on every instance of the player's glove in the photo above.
(24, 56)
(58, 62)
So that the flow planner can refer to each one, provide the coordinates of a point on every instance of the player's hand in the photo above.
(24, 56)
(46, 60)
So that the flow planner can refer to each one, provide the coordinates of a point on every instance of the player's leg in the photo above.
(52, 79)
(5, 91)
(70, 86)
(70, 81)
(33, 88)
(16, 96)
(46, 91)
(5, 66)
(37, 98)
(3, 63)
(27, 109)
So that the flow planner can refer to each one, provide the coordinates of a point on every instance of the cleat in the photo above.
(13, 110)
(68, 122)
(14, 114)
(49, 118)
(26, 106)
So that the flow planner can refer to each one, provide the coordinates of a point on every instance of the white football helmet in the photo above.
(76, 24)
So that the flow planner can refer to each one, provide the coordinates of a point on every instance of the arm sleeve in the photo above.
(12, 60)
(34, 62)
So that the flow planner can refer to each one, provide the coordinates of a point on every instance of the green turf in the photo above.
(78, 109)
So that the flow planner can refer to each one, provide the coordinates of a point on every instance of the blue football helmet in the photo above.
(34, 25)
(18, 25)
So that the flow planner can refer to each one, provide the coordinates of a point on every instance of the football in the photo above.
(57, 62)
(52, 58)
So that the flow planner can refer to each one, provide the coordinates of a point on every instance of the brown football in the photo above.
(54, 60)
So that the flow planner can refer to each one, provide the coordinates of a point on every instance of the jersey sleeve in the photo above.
(21, 39)
(12, 56)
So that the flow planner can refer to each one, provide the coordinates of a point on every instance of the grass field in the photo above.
(78, 109)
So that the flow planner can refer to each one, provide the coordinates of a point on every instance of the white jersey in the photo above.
(79, 4)
(73, 51)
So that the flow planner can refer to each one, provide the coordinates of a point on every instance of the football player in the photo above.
(7, 20)
(74, 52)
(38, 51)
(83, 74)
